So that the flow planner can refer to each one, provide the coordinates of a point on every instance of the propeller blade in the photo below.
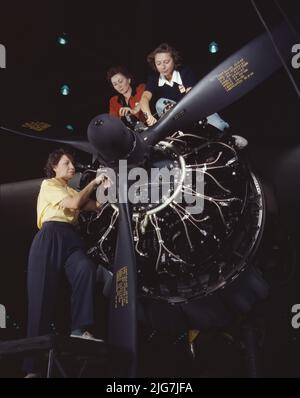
(122, 316)
(232, 79)
(82, 145)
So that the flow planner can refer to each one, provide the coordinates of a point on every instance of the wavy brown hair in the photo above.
(53, 159)
(164, 48)
(114, 70)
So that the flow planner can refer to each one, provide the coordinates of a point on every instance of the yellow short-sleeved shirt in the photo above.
(48, 203)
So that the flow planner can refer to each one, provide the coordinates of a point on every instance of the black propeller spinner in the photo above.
(113, 141)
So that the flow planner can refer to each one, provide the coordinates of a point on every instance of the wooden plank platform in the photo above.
(57, 342)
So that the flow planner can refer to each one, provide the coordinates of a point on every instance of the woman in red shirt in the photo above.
(127, 102)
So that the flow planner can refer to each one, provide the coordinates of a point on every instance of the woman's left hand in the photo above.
(125, 110)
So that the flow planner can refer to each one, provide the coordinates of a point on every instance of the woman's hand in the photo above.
(136, 109)
(104, 180)
(125, 110)
(150, 120)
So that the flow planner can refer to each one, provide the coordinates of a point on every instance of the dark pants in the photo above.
(57, 248)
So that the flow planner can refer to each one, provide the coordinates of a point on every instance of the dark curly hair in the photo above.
(114, 70)
(164, 48)
(53, 159)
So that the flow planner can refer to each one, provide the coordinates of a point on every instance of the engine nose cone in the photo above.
(110, 137)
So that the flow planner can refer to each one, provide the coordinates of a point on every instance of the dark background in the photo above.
(117, 33)
(102, 34)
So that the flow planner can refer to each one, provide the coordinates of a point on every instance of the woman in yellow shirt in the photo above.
(58, 248)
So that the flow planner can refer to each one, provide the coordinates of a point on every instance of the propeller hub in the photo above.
(110, 137)
(114, 141)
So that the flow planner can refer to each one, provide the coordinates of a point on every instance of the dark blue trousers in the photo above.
(57, 248)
